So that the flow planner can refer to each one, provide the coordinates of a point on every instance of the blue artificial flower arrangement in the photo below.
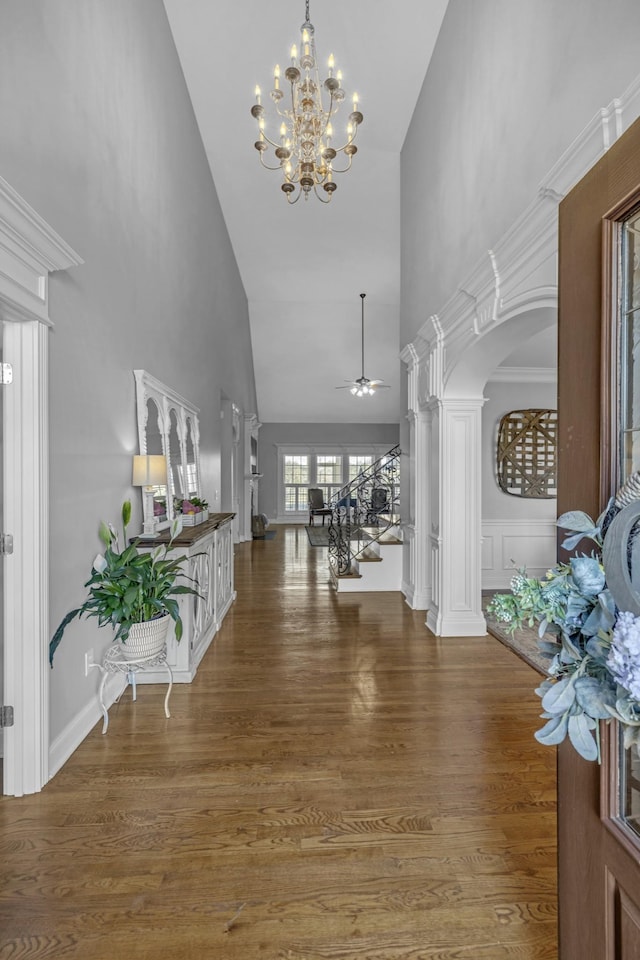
(593, 646)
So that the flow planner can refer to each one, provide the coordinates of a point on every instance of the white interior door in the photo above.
(1, 584)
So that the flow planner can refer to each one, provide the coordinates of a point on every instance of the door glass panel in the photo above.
(629, 384)
(630, 787)
(630, 346)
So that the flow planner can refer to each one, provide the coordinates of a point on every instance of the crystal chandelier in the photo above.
(306, 150)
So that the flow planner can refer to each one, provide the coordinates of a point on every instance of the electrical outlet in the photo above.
(88, 662)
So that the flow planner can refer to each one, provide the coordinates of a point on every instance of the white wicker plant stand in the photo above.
(114, 662)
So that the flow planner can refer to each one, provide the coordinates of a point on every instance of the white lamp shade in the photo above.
(149, 471)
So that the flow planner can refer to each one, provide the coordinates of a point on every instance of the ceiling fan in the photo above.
(363, 387)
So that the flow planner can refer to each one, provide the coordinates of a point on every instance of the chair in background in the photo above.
(317, 506)
(379, 501)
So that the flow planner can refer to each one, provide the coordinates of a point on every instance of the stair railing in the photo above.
(363, 511)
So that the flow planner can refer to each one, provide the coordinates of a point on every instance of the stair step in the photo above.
(369, 556)
(393, 540)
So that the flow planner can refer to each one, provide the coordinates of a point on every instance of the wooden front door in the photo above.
(599, 422)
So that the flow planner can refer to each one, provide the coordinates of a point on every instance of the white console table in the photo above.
(209, 549)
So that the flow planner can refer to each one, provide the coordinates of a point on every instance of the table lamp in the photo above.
(149, 472)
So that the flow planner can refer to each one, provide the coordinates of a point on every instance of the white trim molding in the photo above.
(511, 545)
(524, 375)
(29, 251)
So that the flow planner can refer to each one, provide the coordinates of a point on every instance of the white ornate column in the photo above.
(416, 581)
(251, 427)
(455, 523)
(29, 251)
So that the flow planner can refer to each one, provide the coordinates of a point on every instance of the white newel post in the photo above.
(455, 530)
(29, 251)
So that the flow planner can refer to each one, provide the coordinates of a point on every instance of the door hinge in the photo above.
(6, 373)
(6, 543)
(6, 716)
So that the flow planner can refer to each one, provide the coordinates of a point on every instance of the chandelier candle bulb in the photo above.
(304, 154)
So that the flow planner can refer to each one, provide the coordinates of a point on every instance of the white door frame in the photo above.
(29, 251)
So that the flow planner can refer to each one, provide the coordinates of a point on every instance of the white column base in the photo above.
(470, 625)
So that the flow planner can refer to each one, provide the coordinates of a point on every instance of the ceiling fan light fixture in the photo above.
(363, 386)
(306, 133)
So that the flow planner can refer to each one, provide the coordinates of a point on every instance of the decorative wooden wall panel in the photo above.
(527, 447)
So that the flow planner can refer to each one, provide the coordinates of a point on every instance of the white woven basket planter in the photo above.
(146, 639)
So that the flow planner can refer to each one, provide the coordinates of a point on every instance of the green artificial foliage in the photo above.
(593, 648)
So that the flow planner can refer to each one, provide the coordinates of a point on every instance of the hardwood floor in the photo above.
(354, 786)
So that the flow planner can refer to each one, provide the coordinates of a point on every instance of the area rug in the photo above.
(267, 535)
(524, 642)
(319, 536)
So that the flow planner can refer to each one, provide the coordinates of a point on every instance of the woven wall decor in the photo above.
(527, 446)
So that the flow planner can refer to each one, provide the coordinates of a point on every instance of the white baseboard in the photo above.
(413, 597)
(82, 724)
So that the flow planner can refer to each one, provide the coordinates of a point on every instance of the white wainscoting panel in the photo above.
(509, 545)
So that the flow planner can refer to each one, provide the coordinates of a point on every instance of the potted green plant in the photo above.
(133, 590)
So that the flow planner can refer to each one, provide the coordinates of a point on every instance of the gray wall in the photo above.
(501, 398)
(99, 136)
(307, 434)
(510, 86)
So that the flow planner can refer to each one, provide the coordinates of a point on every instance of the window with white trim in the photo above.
(327, 467)
(329, 474)
(357, 464)
(296, 482)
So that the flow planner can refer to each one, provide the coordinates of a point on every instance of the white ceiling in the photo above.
(304, 266)
(539, 351)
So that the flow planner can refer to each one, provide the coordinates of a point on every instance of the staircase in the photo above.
(365, 540)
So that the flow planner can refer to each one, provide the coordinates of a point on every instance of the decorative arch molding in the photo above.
(512, 288)
(519, 274)
(29, 251)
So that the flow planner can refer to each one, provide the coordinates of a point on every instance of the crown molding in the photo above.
(29, 250)
(524, 375)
